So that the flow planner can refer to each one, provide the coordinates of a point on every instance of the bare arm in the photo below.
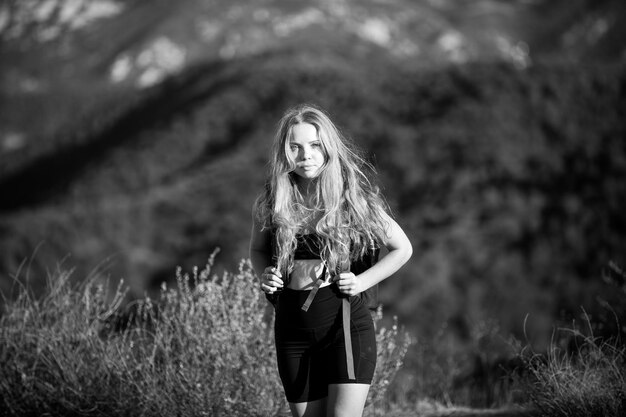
(260, 247)
(261, 257)
(400, 250)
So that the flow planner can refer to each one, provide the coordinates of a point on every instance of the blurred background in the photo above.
(134, 137)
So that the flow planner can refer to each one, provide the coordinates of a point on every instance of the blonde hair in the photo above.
(351, 206)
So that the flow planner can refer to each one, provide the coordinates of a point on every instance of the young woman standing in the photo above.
(317, 216)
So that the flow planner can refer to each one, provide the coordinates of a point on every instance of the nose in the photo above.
(305, 153)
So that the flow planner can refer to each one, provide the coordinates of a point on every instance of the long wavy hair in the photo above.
(349, 206)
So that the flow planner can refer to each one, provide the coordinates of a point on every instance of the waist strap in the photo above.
(309, 299)
(314, 290)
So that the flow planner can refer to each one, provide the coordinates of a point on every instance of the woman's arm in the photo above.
(400, 250)
(260, 247)
(261, 257)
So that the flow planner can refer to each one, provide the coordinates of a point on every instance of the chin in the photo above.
(308, 175)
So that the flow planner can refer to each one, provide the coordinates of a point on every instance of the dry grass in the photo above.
(204, 347)
(581, 376)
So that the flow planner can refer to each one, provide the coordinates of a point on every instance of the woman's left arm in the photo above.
(400, 250)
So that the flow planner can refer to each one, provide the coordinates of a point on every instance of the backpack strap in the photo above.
(369, 296)
(273, 298)
(314, 290)
(346, 307)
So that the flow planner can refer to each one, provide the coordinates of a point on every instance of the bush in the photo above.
(581, 376)
(203, 348)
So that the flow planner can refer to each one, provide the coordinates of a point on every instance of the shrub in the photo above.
(204, 347)
(580, 376)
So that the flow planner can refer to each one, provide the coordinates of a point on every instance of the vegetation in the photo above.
(584, 371)
(581, 376)
(204, 347)
(507, 181)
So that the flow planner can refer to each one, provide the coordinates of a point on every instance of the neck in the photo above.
(307, 188)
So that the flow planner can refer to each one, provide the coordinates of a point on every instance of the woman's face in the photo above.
(306, 149)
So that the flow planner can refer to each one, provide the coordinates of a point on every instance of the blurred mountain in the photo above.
(144, 40)
(61, 58)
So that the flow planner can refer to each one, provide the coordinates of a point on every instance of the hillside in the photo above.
(505, 179)
(508, 178)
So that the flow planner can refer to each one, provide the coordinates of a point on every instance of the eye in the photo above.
(316, 145)
(293, 147)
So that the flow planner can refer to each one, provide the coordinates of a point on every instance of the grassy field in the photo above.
(205, 347)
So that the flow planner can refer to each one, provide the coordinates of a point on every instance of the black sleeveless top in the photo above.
(308, 246)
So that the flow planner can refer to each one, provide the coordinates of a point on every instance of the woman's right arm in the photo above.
(261, 257)
(260, 247)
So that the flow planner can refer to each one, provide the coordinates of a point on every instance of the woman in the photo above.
(316, 217)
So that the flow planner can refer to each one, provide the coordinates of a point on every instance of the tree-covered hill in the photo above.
(509, 182)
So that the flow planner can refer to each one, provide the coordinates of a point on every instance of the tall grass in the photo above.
(204, 347)
(484, 371)
(581, 376)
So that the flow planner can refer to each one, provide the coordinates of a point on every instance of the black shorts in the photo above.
(310, 345)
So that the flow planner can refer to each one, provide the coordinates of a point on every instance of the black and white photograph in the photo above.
(323, 208)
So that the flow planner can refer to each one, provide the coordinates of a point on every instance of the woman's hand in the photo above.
(271, 280)
(348, 283)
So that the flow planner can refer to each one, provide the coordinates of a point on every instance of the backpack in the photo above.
(369, 296)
